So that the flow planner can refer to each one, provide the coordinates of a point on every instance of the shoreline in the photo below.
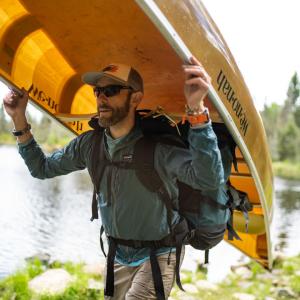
(283, 169)
(82, 281)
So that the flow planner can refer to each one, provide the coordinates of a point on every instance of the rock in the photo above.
(281, 281)
(190, 288)
(285, 293)
(94, 269)
(206, 285)
(53, 281)
(277, 272)
(95, 284)
(244, 284)
(243, 272)
(234, 268)
(265, 276)
(243, 296)
(44, 258)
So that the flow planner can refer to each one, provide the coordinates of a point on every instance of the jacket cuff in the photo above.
(27, 143)
(200, 126)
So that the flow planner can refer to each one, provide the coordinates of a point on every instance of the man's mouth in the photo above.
(104, 109)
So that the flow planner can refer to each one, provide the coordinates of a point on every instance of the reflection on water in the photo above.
(52, 216)
(287, 220)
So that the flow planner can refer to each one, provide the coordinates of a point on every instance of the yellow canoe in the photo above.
(46, 45)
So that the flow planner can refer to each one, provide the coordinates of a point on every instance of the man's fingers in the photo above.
(197, 81)
(13, 97)
(195, 61)
(196, 72)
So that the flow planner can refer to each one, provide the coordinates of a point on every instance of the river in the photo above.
(52, 216)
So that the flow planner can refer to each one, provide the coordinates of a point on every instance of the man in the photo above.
(129, 211)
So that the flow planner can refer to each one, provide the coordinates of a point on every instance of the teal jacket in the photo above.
(128, 210)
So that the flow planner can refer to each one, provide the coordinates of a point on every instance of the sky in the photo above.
(263, 36)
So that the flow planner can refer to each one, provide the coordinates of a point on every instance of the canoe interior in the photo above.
(45, 46)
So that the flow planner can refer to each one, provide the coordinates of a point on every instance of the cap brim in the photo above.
(95, 78)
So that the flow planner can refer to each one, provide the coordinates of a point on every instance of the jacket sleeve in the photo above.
(71, 158)
(200, 166)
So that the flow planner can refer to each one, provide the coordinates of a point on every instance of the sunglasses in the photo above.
(109, 90)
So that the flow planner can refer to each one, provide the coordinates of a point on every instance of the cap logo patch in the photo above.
(111, 68)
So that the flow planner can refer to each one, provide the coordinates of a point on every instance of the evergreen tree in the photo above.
(292, 97)
(297, 115)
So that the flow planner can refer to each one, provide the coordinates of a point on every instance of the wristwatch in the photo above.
(21, 132)
(196, 118)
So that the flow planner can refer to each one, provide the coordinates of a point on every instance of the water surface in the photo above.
(52, 216)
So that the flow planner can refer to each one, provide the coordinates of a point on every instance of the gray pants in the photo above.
(133, 283)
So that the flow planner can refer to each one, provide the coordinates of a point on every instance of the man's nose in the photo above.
(101, 99)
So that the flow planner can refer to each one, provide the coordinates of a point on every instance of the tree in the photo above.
(292, 97)
(271, 119)
(297, 116)
(42, 130)
(288, 142)
(3, 122)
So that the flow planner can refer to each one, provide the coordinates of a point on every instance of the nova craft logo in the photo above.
(40, 95)
(240, 112)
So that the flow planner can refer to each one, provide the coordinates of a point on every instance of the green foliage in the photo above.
(271, 119)
(292, 97)
(287, 169)
(282, 124)
(15, 287)
(293, 90)
(7, 139)
(35, 268)
(42, 129)
(297, 116)
(288, 142)
(295, 283)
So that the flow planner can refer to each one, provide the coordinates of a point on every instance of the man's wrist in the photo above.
(19, 132)
(196, 117)
(20, 122)
(194, 110)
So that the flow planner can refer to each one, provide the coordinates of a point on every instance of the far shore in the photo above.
(283, 169)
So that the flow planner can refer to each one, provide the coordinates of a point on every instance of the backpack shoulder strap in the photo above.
(144, 164)
(98, 163)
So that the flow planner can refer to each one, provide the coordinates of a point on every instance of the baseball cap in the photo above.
(116, 74)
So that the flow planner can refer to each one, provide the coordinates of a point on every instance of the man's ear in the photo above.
(136, 99)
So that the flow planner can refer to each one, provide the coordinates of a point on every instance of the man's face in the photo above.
(112, 109)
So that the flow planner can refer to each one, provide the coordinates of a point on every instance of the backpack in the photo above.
(204, 219)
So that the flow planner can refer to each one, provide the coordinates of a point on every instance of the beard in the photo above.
(117, 114)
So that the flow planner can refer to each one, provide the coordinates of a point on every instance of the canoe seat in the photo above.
(256, 223)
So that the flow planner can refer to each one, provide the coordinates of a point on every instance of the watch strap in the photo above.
(21, 132)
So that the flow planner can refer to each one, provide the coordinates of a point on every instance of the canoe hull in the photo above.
(45, 46)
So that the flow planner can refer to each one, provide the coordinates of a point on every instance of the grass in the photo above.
(287, 169)
(7, 139)
(16, 286)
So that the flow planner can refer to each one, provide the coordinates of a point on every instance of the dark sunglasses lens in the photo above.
(97, 91)
(108, 91)
(112, 90)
